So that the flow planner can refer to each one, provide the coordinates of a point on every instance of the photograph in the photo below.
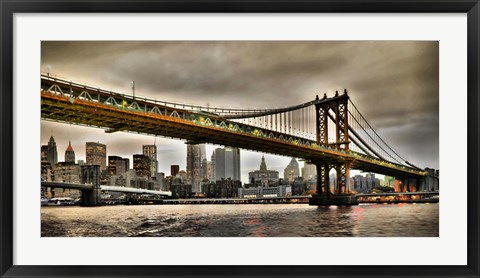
(239, 138)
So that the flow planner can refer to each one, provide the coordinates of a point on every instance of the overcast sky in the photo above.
(393, 83)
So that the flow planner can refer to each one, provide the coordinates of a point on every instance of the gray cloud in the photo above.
(393, 83)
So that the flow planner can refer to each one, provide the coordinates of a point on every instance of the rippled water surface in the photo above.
(397, 220)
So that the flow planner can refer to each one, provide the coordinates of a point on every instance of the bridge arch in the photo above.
(91, 175)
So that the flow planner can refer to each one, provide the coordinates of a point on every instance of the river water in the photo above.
(273, 220)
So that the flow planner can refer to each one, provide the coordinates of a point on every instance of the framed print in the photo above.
(239, 139)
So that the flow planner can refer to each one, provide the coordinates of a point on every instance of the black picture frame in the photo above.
(10, 7)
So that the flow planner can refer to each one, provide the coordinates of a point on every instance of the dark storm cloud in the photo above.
(393, 83)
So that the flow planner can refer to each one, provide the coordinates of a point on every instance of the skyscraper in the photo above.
(309, 172)
(195, 156)
(213, 177)
(227, 163)
(52, 152)
(123, 166)
(44, 154)
(151, 152)
(141, 165)
(70, 154)
(291, 171)
(96, 154)
(207, 170)
(174, 170)
(117, 165)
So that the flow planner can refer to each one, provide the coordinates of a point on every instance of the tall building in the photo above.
(182, 175)
(263, 176)
(205, 173)
(291, 171)
(96, 154)
(195, 156)
(44, 154)
(70, 154)
(123, 166)
(174, 170)
(213, 176)
(309, 172)
(141, 165)
(364, 184)
(52, 152)
(117, 165)
(160, 181)
(47, 174)
(208, 170)
(112, 164)
(151, 152)
(227, 163)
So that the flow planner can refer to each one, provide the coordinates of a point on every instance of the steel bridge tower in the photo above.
(335, 109)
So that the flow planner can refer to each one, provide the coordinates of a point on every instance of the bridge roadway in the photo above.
(109, 188)
(98, 108)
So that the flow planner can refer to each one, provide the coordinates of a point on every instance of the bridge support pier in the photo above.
(343, 178)
(91, 198)
(90, 174)
(408, 185)
(342, 196)
(411, 184)
(323, 179)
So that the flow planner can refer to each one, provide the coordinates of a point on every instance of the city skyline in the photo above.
(82, 156)
(266, 74)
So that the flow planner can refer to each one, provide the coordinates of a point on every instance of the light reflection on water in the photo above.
(289, 220)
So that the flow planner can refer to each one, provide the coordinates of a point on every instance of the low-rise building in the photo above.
(225, 188)
(263, 177)
(66, 172)
(262, 192)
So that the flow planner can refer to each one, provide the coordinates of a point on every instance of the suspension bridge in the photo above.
(329, 132)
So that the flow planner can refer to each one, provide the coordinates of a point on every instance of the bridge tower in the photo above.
(335, 109)
(90, 174)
